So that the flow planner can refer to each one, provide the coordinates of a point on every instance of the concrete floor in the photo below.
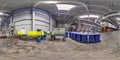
(107, 49)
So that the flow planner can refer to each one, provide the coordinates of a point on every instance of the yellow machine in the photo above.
(30, 33)
(34, 33)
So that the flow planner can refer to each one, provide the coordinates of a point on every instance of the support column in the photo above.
(49, 22)
(33, 19)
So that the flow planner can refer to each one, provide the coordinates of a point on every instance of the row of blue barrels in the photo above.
(84, 37)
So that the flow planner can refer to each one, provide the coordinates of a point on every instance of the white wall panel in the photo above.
(41, 23)
(22, 15)
(44, 28)
(18, 27)
(23, 22)
(42, 17)
(41, 13)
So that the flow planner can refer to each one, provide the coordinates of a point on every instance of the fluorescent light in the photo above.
(65, 6)
(51, 2)
(1, 13)
(117, 18)
(91, 16)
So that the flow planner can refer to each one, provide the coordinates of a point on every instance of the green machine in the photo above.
(58, 32)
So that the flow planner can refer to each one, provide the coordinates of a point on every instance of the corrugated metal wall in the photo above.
(23, 19)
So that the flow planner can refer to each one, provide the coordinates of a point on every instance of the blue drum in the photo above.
(84, 38)
(97, 37)
(91, 38)
(38, 39)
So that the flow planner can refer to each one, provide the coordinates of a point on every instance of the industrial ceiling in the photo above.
(96, 7)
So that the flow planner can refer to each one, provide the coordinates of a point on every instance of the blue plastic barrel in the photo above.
(66, 34)
(97, 37)
(91, 38)
(84, 38)
(73, 36)
(38, 39)
(70, 34)
(79, 37)
(76, 36)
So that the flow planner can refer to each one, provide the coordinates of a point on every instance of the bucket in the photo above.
(38, 39)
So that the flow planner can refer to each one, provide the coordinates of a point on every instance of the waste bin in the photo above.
(79, 37)
(84, 38)
(66, 34)
(76, 36)
(73, 36)
(91, 38)
(97, 37)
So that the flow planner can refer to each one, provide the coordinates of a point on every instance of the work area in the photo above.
(59, 30)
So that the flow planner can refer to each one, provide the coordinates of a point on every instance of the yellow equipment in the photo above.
(30, 33)
(34, 33)
(11, 28)
(19, 32)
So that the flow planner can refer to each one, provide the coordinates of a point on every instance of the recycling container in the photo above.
(75, 36)
(66, 34)
(79, 37)
(97, 37)
(84, 38)
(91, 38)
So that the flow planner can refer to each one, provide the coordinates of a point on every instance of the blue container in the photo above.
(91, 38)
(66, 34)
(97, 37)
(84, 38)
(70, 35)
(38, 39)
(73, 36)
(79, 37)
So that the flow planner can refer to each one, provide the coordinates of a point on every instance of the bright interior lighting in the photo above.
(1, 13)
(51, 2)
(118, 18)
(65, 6)
(91, 16)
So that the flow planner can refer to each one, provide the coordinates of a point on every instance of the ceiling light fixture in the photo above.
(1, 13)
(51, 2)
(91, 16)
(117, 18)
(65, 6)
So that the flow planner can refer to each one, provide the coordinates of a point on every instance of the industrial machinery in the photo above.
(58, 32)
(31, 34)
